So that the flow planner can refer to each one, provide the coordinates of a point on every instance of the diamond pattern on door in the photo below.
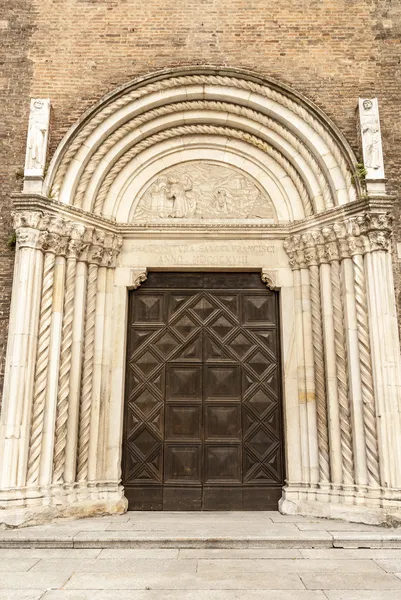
(203, 414)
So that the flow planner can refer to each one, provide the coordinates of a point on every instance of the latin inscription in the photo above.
(233, 254)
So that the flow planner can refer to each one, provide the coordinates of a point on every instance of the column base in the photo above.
(36, 506)
(356, 504)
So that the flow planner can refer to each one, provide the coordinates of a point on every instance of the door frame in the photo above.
(275, 280)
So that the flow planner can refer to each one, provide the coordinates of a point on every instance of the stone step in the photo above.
(126, 539)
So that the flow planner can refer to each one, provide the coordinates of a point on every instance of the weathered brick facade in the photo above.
(75, 51)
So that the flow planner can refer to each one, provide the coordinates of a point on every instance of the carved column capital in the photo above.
(28, 227)
(269, 278)
(342, 239)
(290, 250)
(138, 276)
(377, 227)
(332, 249)
(311, 255)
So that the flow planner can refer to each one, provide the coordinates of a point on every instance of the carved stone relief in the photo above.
(38, 130)
(371, 137)
(203, 190)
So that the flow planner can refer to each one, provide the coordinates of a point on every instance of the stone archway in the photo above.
(91, 233)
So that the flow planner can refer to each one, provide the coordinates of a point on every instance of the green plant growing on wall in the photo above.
(12, 240)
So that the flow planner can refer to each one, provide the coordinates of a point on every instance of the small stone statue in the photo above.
(371, 138)
(37, 137)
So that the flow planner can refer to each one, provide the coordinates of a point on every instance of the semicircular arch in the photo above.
(113, 139)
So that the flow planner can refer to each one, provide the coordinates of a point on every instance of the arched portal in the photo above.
(202, 170)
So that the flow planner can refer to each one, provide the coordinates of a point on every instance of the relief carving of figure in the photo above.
(184, 203)
(36, 143)
(158, 202)
(203, 190)
(371, 137)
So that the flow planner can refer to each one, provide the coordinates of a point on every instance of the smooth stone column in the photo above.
(331, 375)
(75, 373)
(386, 364)
(46, 461)
(20, 366)
(310, 395)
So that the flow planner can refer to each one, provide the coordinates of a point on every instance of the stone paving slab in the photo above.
(362, 594)
(233, 553)
(21, 594)
(289, 566)
(350, 553)
(33, 581)
(11, 564)
(139, 553)
(180, 595)
(375, 580)
(6, 553)
(182, 581)
(117, 565)
(201, 574)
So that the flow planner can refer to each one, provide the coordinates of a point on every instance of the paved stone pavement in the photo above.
(211, 556)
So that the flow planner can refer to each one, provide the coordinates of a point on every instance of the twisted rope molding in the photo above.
(369, 416)
(206, 130)
(320, 385)
(342, 378)
(87, 370)
(64, 374)
(41, 370)
(201, 80)
(249, 113)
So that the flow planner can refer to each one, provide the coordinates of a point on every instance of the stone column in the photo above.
(48, 338)
(356, 250)
(94, 260)
(74, 249)
(353, 361)
(318, 359)
(22, 340)
(384, 342)
(295, 248)
(338, 292)
(329, 345)
(77, 343)
(112, 252)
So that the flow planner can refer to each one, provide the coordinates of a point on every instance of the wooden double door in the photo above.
(203, 414)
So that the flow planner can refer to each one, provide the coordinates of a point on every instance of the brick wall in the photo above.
(75, 51)
(16, 25)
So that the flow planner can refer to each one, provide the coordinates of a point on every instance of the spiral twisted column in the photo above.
(53, 245)
(341, 357)
(369, 412)
(318, 358)
(74, 249)
(95, 258)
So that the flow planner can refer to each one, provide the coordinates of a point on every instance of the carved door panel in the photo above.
(203, 415)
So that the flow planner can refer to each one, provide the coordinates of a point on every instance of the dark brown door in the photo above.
(203, 414)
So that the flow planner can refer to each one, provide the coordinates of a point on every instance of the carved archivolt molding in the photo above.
(315, 166)
(202, 105)
(186, 130)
